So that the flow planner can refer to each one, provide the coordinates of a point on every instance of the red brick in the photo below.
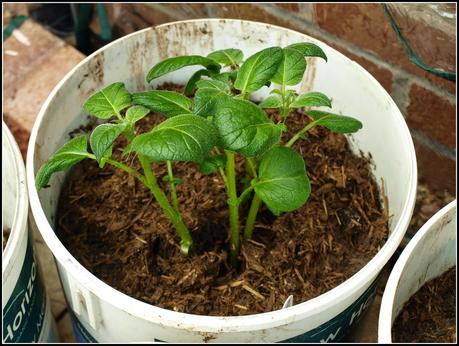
(435, 170)
(435, 47)
(367, 26)
(33, 71)
(292, 7)
(180, 11)
(249, 11)
(156, 14)
(123, 19)
(129, 17)
(11, 10)
(20, 134)
(444, 83)
(432, 115)
(20, 58)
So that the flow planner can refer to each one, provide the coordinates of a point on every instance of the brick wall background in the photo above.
(360, 31)
(363, 33)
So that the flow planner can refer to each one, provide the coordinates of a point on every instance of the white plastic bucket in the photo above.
(25, 306)
(429, 254)
(105, 314)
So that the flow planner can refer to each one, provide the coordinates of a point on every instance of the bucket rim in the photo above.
(385, 320)
(18, 227)
(215, 323)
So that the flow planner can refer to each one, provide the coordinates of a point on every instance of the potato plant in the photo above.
(211, 123)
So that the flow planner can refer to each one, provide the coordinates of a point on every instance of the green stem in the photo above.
(222, 173)
(161, 198)
(284, 109)
(172, 187)
(300, 133)
(233, 207)
(250, 223)
(254, 206)
(252, 167)
(129, 132)
(244, 194)
(123, 167)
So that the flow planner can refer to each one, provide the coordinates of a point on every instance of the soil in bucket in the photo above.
(430, 314)
(112, 225)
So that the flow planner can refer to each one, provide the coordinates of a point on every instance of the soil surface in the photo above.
(112, 225)
(430, 314)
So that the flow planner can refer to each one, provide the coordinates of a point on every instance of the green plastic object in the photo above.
(415, 59)
(15, 23)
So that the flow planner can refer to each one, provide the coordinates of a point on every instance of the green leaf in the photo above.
(311, 99)
(227, 57)
(224, 76)
(213, 163)
(290, 96)
(109, 101)
(291, 69)
(135, 113)
(276, 92)
(308, 49)
(283, 127)
(176, 181)
(283, 184)
(181, 138)
(169, 103)
(258, 69)
(336, 123)
(127, 150)
(176, 63)
(103, 137)
(214, 84)
(207, 100)
(271, 102)
(191, 85)
(243, 127)
(69, 154)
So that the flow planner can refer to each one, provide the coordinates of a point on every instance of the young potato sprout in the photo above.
(210, 129)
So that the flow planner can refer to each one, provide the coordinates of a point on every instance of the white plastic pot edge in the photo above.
(16, 258)
(211, 323)
(22, 206)
(385, 314)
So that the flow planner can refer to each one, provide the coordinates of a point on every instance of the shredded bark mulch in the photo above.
(430, 314)
(111, 224)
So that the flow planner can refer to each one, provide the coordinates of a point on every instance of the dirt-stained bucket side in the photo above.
(105, 314)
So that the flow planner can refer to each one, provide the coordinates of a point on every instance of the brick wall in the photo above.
(363, 33)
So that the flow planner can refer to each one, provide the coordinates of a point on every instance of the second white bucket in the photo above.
(429, 254)
(104, 314)
(26, 307)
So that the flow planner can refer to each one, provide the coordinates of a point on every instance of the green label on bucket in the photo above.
(339, 326)
(24, 314)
